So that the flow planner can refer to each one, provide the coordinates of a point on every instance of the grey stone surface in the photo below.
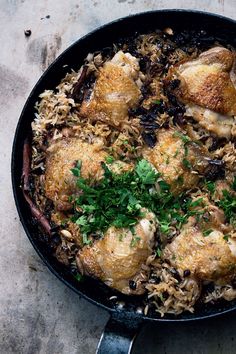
(38, 314)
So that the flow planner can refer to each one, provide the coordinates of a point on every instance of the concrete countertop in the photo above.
(39, 314)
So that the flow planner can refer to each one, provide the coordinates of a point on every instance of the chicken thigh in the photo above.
(202, 248)
(116, 90)
(176, 162)
(117, 258)
(62, 156)
(208, 88)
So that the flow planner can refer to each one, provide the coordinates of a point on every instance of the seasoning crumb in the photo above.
(27, 32)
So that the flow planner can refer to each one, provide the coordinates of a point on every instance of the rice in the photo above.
(57, 116)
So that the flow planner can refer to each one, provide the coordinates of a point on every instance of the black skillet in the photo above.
(124, 322)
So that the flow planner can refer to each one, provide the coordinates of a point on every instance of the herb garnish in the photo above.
(228, 204)
(78, 277)
(185, 139)
(118, 200)
(226, 237)
(207, 232)
(109, 159)
(187, 164)
(211, 186)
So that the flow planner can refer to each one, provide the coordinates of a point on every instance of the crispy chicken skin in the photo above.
(116, 90)
(117, 258)
(208, 89)
(167, 157)
(209, 256)
(61, 158)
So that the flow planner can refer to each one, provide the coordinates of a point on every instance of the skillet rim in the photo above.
(16, 189)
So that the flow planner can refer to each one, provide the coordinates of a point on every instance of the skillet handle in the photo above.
(119, 334)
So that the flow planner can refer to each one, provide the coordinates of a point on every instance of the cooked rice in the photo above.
(57, 116)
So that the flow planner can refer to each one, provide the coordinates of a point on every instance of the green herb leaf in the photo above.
(135, 241)
(78, 277)
(234, 184)
(187, 163)
(146, 172)
(86, 241)
(211, 186)
(196, 203)
(164, 226)
(207, 232)
(185, 138)
(109, 159)
(77, 169)
(228, 204)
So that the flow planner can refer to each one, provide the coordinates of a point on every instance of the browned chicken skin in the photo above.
(62, 157)
(208, 89)
(60, 183)
(117, 258)
(167, 157)
(116, 90)
(202, 248)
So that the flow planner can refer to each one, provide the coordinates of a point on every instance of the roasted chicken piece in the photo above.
(179, 163)
(116, 90)
(117, 258)
(62, 156)
(60, 183)
(208, 88)
(202, 247)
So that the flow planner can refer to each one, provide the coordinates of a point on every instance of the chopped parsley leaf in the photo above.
(77, 169)
(196, 203)
(176, 153)
(78, 277)
(134, 241)
(207, 232)
(234, 184)
(228, 204)
(211, 186)
(146, 172)
(185, 139)
(187, 163)
(119, 200)
(109, 159)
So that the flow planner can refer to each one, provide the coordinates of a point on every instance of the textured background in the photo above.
(38, 314)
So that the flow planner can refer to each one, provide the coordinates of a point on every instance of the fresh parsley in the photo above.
(119, 200)
(228, 204)
(185, 138)
(207, 232)
(146, 172)
(109, 159)
(187, 164)
(211, 186)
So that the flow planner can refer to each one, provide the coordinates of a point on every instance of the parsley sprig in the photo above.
(119, 200)
(228, 204)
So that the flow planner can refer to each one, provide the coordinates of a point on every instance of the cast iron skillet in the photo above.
(124, 322)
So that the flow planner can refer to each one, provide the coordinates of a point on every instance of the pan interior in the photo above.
(219, 27)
